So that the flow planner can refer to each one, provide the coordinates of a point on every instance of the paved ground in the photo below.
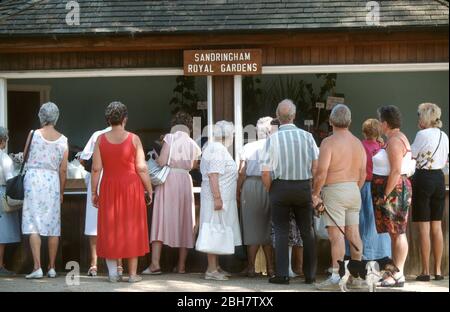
(184, 283)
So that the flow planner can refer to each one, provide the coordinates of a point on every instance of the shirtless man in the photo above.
(340, 174)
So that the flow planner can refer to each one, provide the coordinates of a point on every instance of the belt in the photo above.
(179, 170)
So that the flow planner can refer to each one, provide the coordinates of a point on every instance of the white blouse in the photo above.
(217, 159)
(6, 167)
(425, 144)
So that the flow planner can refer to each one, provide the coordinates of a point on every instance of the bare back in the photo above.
(348, 158)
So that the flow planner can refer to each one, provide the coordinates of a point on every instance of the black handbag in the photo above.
(14, 186)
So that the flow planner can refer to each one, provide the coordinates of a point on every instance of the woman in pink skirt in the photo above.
(173, 218)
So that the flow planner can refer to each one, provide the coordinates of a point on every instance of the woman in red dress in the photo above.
(122, 215)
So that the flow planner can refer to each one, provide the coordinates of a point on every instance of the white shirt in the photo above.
(88, 150)
(6, 167)
(425, 144)
(251, 155)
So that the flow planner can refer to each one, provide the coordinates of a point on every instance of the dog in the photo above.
(369, 271)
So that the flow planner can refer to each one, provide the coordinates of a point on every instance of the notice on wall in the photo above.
(332, 101)
(222, 62)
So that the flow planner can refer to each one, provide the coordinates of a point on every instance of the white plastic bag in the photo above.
(75, 170)
(215, 238)
(320, 227)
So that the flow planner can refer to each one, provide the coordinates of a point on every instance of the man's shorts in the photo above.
(343, 203)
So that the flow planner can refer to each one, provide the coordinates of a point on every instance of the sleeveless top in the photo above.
(382, 166)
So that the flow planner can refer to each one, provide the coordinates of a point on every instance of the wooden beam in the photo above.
(197, 41)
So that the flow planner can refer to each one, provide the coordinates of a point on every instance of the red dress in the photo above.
(122, 215)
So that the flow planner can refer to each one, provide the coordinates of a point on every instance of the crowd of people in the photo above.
(364, 190)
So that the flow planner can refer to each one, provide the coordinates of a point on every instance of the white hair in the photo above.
(430, 115)
(223, 129)
(341, 116)
(3, 135)
(291, 113)
(264, 127)
(48, 114)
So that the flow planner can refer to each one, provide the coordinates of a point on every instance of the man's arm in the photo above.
(322, 168)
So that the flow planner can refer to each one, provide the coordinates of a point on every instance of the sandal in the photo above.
(395, 282)
(119, 270)
(438, 277)
(423, 278)
(149, 271)
(92, 271)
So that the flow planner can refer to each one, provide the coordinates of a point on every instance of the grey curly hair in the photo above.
(115, 113)
(48, 114)
(3, 135)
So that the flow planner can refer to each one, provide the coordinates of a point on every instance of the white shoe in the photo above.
(134, 279)
(36, 274)
(332, 283)
(223, 272)
(216, 275)
(114, 278)
(51, 273)
(292, 274)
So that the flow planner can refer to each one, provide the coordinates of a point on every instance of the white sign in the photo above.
(333, 101)
(202, 105)
(309, 122)
(320, 105)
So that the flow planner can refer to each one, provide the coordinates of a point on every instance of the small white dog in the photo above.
(370, 272)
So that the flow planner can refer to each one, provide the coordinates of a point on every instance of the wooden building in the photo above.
(54, 40)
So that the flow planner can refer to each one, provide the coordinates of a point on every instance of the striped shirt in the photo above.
(289, 154)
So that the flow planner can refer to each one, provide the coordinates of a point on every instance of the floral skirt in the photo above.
(391, 216)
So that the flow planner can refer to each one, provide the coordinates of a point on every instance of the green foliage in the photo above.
(261, 102)
(185, 97)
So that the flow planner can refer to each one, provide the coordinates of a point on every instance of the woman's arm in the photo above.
(215, 190)
(63, 174)
(395, 151)
(241, 179)
(27, 144)
(141, 166)
(163, 158)
(362, 170)
(97, 168)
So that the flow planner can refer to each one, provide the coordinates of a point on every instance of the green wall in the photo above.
(82, 102)
(364, 93)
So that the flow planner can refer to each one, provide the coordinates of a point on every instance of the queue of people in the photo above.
(363, 187)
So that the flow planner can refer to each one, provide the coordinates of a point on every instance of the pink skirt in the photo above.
(174, 211)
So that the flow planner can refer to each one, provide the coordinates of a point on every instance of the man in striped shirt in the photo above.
(288, 164)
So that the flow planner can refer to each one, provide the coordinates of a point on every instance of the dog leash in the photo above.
(332, 219)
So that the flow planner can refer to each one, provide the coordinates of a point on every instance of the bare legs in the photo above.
(93, 248)
(213, 263)
(268, 252)
(53, 242)
(35, 243)
(132, 266)
(338, 243)
(437, 240)
(425, 245)
(399, 250)
(156, 256)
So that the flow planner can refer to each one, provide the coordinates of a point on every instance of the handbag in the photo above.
(14, 186)
(215, 238)
(428, 159)
(11, 205)
(158, 174)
